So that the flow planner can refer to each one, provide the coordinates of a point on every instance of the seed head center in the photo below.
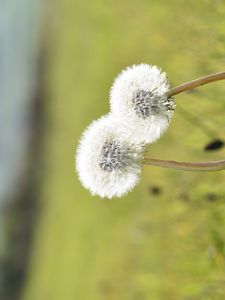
(114, 156)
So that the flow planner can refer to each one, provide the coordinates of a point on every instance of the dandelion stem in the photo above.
(186, 166)
(195, 83)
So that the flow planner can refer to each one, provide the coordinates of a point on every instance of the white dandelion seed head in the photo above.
(108, 164)
(138, 98)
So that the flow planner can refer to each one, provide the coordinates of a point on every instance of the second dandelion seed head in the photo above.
(107, 162)
(139, 99)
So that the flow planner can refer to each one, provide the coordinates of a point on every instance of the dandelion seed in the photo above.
(139, 101)
(108, 164)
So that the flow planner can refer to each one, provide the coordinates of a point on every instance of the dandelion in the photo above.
(139, 101)
(111, 151)
(107, 162)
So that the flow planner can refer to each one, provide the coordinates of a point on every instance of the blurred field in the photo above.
(166, 239)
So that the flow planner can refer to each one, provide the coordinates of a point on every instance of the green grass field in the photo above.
(166, 239)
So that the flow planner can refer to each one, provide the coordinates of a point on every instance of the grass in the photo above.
(166, 239)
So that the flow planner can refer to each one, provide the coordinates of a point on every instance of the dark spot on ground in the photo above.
(155, 190)
(211, 197)
(214, 145)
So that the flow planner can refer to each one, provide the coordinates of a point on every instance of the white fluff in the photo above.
(138, 100)
(108, 164)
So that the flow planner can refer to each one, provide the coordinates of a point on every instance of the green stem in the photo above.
(186, 166)
(196, 83)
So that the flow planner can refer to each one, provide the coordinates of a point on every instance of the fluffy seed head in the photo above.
(138, 99)
(108, 164)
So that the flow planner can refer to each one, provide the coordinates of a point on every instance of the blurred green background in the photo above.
(165, 239)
